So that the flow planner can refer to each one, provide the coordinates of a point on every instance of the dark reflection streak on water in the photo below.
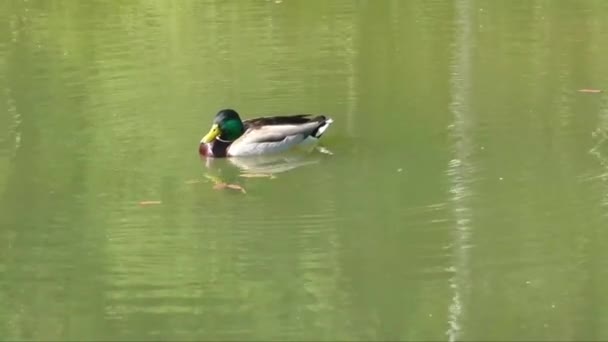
(594, 283)
(460, 168)
(601, 137)
(351, 78)
(13, 128)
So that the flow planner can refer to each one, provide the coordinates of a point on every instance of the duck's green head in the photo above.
(227, 126)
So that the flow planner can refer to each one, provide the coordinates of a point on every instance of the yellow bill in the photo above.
(213, 133)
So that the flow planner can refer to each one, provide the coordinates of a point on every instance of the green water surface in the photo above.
(466, 196)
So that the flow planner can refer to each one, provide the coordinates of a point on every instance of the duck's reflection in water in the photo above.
(231, 171)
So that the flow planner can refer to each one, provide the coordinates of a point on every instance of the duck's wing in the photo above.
(278, 128)
(275, 134)
(281, 120)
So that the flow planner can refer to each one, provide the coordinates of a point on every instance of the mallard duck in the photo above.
(230, 136)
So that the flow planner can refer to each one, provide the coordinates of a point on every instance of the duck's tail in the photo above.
(317, 133)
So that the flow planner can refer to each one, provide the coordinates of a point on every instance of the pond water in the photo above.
(465, 195)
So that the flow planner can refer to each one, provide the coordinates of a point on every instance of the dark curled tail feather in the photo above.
(324, 122)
